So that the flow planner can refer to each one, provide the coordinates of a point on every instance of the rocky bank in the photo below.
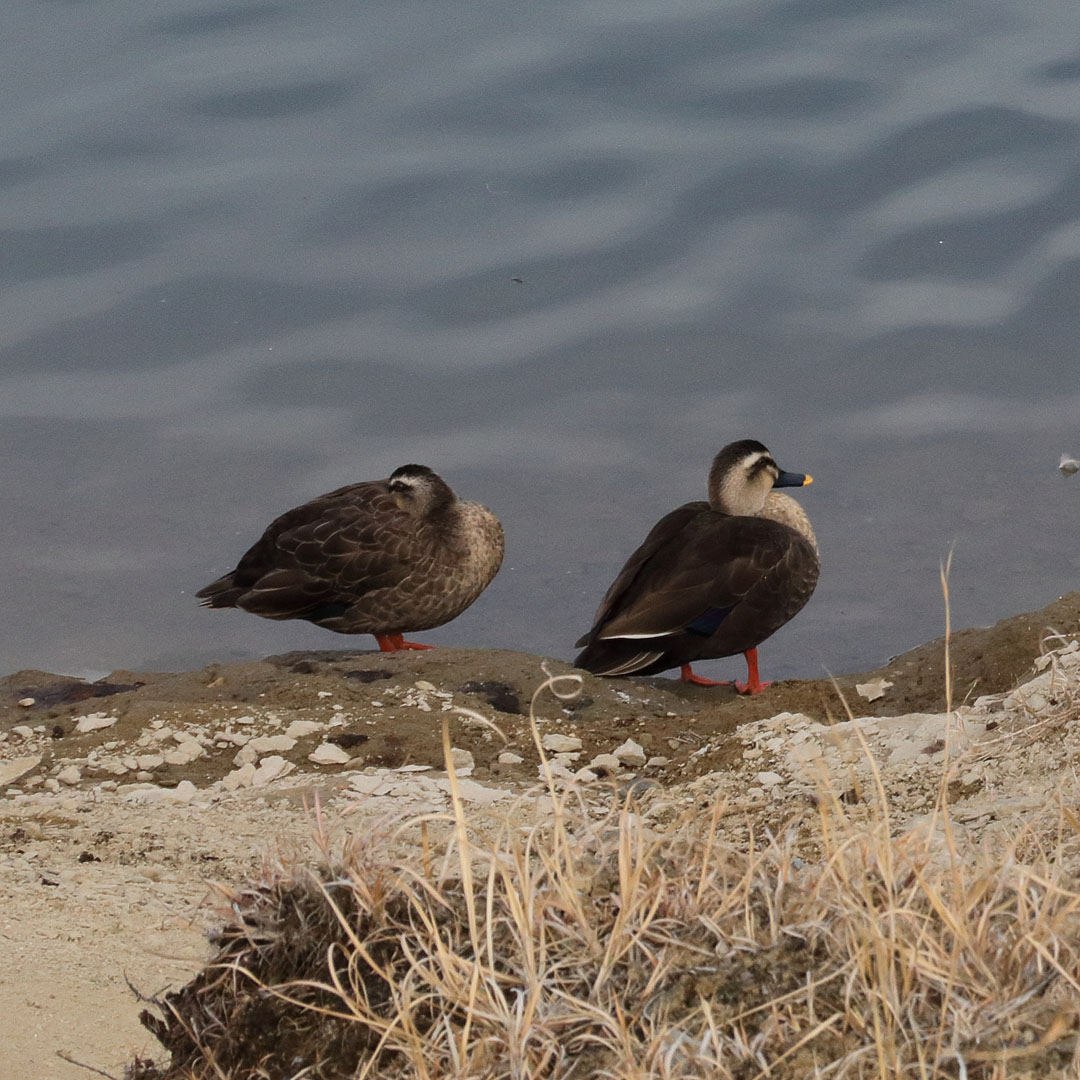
(120, 801)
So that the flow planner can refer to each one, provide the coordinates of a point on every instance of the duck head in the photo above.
(419, 490)
(742, 476)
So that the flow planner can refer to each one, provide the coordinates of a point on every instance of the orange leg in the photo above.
(698, 680)
(395, 642)
(753, 684)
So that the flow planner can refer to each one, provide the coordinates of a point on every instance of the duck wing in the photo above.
(715, 566)
(325, 554)
(664, 533)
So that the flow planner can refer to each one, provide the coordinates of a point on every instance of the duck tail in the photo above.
(221, 593)
(616, 657)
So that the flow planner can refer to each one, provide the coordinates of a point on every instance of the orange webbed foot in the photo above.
(397, 642)
(699, 680)
(753, 684)
(749, 688)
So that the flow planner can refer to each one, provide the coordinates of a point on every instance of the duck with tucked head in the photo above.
(711, 579)
(387, 557)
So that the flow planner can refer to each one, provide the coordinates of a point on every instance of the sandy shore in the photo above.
(120, 801)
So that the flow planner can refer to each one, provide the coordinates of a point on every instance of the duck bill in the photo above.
(792, 479)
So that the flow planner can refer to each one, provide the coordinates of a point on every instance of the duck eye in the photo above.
(398, 485)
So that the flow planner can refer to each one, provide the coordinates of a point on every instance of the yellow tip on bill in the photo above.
(809, 480)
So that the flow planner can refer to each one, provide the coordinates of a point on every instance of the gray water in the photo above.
(559, 251)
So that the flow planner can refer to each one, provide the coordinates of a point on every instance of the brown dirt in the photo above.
(96, 886)
(667, 717)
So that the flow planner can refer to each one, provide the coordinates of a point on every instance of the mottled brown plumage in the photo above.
(711, 579)
(386, 557)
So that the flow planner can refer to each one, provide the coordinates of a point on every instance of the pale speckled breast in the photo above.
(450, 566)
(787, 511)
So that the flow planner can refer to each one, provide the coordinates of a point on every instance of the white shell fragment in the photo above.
(873, 689)
(1068, 465)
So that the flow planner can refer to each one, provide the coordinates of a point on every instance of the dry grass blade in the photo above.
(586, 945)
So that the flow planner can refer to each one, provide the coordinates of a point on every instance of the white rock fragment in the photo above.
(149, 762)
(607, 763)
(70, 774)
(185, 753)
(23, 731)
(271, 768)
(657, 762)
(769, 779)
(1068, 465)
(299, 728)
(630, 753)
(803, 753)
(329, 754)
(324, 693)
(264, 744)
(367, 785)
(561, 744)
(873, 689)
(462, 761)
(423, 684)
(12, 770)
(94, 722)
(246, 755)
(471, 791)
(142, 794)
(238, 778)
(558, 772)
(181, 795)
(508, 757)
(413, 768)
(26, 702)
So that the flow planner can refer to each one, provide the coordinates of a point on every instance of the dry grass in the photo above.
(586, 947)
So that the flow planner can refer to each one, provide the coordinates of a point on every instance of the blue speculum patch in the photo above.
(706, 623)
